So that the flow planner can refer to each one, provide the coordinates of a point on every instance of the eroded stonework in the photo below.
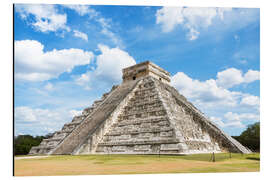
(143, 115)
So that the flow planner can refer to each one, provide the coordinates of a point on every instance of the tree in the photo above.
(23, 143)
(251, 137)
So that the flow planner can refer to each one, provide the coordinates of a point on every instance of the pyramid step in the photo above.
(77, 137)
(143, 142)
(147, 97)
(138, 131)
(144, 103)
(144, 93)
(142, 109)
(142, 120)
(72, 123)
(52, 139)
(88, 110)
(152, 113)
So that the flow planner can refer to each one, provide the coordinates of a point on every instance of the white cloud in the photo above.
(80, 35)
(24, 115)
(237, 120)
(251, 100)
(49, 87)
(219, 102)
(214, 93)
(251, 76)
(219, 122)
(169, 17)
(231, 77)
(109, 64)
(45, 17)
(37, 121)
(193, 19)
(75, 113)
(105, 23)
(231, 117)
(106, 30)
(207, 92)
(82, 9)
(33, 64)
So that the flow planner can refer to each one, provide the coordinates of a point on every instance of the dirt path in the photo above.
(30, 157)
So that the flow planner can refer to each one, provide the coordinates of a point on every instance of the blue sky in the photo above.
(68, 56)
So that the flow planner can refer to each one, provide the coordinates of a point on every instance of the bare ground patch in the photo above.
(94, 165)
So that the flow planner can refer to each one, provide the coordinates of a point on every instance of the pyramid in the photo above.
(143, 115)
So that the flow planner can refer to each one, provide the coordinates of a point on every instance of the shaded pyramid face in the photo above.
(141, 116)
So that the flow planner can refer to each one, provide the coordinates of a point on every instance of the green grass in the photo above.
(137, 164)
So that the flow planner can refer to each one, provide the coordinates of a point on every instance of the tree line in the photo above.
(23, 143)
(250, 137)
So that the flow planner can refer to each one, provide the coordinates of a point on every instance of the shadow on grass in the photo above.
(253, 158)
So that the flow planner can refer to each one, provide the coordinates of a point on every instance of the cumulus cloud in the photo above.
(46, 18)
(109, 65)
(169, 17)
(214, 98)
(231, 77)
(25, 115)
(192, 19)
(80, 35)
(205, 92)
(221, 123)
(237, 120)
(241, 117)
(251, 100)
(213, 92)
(251, 76)
(38, 121)
(33, 64)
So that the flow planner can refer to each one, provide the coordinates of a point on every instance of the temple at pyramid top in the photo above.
(143, 69)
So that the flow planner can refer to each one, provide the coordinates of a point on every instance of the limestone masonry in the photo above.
(143, 115)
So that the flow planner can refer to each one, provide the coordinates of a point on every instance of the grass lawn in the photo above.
(135, 164)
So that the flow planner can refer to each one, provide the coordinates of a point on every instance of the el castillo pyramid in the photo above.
(143, 115)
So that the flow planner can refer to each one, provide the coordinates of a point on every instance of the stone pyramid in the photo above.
(143, 115)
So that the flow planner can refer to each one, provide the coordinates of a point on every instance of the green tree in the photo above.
(23, 143)
(251, 137)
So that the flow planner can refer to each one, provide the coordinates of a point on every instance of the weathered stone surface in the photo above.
(143, 115)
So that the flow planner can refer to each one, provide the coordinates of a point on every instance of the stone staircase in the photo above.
(48, 145)
(142, 127)
(72, 143)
